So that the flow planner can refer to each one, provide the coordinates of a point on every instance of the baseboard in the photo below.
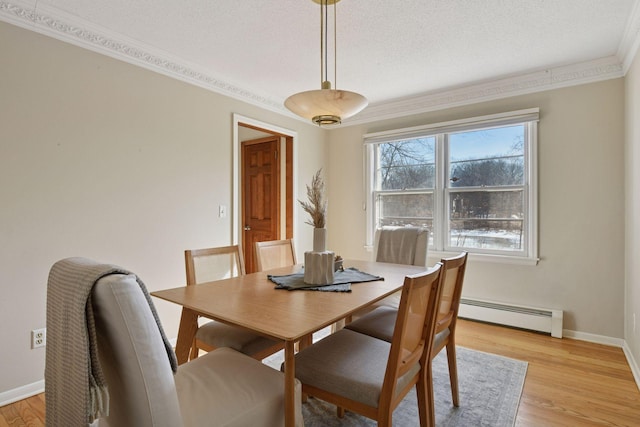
(632, 363)
(614, 342)
(597, 339)
(20, 393)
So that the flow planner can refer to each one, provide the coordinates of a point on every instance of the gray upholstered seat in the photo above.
(380, 323)
(227, 388)
(244, 341)
(358, 377)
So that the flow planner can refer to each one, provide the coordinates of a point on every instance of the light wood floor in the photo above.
(569, 383)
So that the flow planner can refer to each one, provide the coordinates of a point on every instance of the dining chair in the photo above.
(274, 254)
(369, 376)
(380, 323)
(401, 245)
(210, 264)
(128, 371)
(398, 245)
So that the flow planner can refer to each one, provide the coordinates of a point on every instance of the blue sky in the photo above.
(484, 143)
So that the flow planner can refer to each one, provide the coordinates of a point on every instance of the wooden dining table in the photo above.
(252, 302)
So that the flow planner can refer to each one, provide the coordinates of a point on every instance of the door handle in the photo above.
(247, 228)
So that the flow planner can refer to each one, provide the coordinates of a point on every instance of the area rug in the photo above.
(490, 389)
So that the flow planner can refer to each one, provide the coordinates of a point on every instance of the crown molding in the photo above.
(68, 28)
(551, 78)
(57, 24)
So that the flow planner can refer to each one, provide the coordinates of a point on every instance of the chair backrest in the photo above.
(414, 328)
(401, 245)
(453, 270)
(133, 357)
(274, 254)
(207, 265)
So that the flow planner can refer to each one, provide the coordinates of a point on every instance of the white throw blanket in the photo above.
(75, 388)
(397, 245)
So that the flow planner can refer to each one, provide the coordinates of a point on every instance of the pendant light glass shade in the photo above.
(326, 106)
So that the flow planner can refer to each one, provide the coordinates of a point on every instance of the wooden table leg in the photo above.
(305, 342)
(186, 334)
(289, 384)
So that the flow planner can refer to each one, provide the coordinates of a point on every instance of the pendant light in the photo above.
(326, 106)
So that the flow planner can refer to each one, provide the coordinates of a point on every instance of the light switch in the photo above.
(222, 211)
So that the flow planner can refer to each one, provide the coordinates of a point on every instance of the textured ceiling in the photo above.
(386, 49)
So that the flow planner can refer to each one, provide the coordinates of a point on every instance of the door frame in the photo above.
(236, 221)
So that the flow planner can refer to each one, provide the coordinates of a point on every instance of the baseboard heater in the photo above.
(535, 319)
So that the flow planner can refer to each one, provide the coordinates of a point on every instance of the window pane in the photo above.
(405, 209)
(469, 181)
(487, 219)
(406, 164)
(489, 157)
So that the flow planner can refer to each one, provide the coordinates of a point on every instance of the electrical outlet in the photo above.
(38, 338)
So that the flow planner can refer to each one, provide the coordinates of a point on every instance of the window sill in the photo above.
(498, 259)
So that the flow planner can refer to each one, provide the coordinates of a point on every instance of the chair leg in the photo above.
(426, 404)
(338, 325)
(195, 351)
(385, 419)
(340, 412)
(453, 372)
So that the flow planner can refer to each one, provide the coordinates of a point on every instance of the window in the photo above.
(471, 182)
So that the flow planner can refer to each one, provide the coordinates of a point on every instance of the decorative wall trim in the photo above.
(59, 25)
(54, 23)
(552, 78)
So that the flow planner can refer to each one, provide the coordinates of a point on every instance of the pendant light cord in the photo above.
(326, 38)
(324, 42)
(335, 47)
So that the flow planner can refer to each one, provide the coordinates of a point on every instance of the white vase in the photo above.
(319, 267)
(319, 239)
(319, 263)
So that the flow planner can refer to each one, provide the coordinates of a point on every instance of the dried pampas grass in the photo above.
(317, 206)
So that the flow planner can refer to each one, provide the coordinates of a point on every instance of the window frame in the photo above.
(440, 246)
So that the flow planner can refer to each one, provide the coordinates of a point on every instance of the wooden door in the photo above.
(260, 195)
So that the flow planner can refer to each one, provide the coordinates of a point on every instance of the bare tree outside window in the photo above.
(406, 171)
(407, 164)
(485, 182)
(486, 203)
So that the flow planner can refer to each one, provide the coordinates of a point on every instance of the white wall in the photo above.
(581, 205)
(102, 159)
(632, 181)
